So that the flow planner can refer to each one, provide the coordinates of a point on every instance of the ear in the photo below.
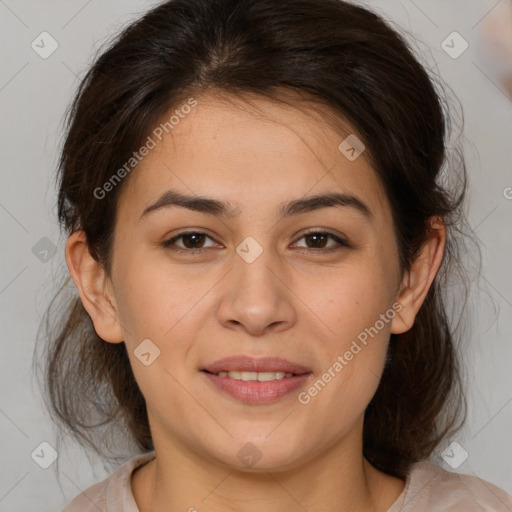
(94, 288)
(416, 282)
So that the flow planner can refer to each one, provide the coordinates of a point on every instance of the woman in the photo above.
(259, 236)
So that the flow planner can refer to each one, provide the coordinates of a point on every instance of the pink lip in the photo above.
(254, 392)
(251, 364)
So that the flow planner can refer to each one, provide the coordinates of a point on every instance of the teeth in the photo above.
(255, 376)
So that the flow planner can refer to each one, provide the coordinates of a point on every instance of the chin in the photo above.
(257, 457)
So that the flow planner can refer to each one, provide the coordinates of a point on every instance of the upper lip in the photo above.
(244, 363)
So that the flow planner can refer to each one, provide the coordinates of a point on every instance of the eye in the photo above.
(193, 242)
(319, 239)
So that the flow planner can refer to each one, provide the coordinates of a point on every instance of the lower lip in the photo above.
(255, 392)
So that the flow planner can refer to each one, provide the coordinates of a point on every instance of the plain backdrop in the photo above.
(34, 93)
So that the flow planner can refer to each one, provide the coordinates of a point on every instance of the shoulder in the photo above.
(431, 487)
(113, 493)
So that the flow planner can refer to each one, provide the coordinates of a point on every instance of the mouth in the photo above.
(249, 367)
(254, 376)
(256, 380)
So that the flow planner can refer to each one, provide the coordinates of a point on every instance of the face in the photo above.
(305, 286)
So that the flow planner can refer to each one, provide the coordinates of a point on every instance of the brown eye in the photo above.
(317, 240)
(192, 241)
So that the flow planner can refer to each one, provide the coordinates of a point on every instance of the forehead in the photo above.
(251, 150)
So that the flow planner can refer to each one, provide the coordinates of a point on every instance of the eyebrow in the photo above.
(173, 198)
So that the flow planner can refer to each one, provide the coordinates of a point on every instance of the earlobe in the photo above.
(417, 281)
(91, 281)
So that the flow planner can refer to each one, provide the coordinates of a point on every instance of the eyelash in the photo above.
(168, 243)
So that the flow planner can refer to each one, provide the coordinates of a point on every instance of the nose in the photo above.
(256, 297)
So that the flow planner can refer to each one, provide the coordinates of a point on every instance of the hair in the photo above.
(340, 55)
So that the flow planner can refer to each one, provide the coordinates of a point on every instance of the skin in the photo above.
(293, 301)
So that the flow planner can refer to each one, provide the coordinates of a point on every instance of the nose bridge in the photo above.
(255, 266)
(257, 296)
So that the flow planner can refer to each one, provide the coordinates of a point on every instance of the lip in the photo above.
(245, 363)
(255, 392)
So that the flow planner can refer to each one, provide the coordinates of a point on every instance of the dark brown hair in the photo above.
(344, 57)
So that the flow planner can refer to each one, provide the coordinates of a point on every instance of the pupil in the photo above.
(188, 237)
(316, 237)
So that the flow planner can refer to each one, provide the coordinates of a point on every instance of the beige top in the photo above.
(428, 488)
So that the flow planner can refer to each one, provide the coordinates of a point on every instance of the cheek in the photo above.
(359, 325)
(352, 298)
(352, 359)
(355, 305)
(153, 296)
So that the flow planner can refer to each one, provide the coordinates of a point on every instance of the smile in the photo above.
(254, 376)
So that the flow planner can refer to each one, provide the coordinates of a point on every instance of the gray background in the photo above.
(34, 93)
